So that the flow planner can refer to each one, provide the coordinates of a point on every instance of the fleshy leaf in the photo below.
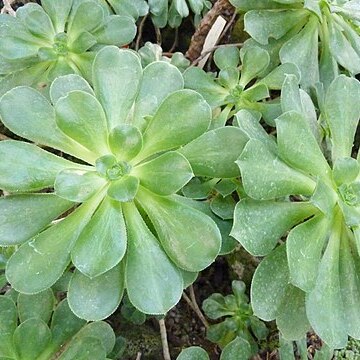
(78, 185)
(125, 141)
(152, 91)
(102, 243)
(184, 247)
(324, 305)
(302, 50)
(350, 285)
(8, 323)
(298, 146)
(99, 330)
(26, 167)
(269, 284)
(29, 114)
(292, 320)
(259, 225)
(87, 348)
(116, 77)
(238, 349)
(305, 246)
(266, 176)
(226, 57)
(39, 263)
(193, 353)
(80, 116)
(182, 116)
(31, 338)
(63, 85)
(64, 324)
(124, 189)
(38, 306)
(97, 298)
(165, 174)
(342, 114)
(24, 216)
(154, 285)
(254, 61)
(210, 154)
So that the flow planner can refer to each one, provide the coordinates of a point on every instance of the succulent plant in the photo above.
(37, 327)
(320, 36)
(239, 321)
(234, 88)
(133, 142)
(312, 278)
(57, 38)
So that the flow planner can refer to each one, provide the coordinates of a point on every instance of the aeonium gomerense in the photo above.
(57, 38)
(138, 135)
(313, 278)
(320, 36)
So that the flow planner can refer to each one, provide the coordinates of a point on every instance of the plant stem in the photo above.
(196, 309)
(138, 356)
(7, 7)
(164, 341)
(196, 306)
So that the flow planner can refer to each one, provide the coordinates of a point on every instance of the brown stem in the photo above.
(140, 32)
(195, 307)
(198, 39)
(7, 8)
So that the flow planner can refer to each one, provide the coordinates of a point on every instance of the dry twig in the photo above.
(140, 32)
(198, 39)
(138, 356)
(164, 341)
(193, 304)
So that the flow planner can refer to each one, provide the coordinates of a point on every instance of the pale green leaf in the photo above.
(254, 61)
(266, 176)
(28, 114)
(269, 284)
(238, 349)
(342, 113)
(26, 167)
(116, 30)
(63, 85)
(154, 284)
(305, 245)
(292, 320)
(302, 50)
(24, 216)
(125, 141)
(80, 116)
(152, 91)
(182, 116)
(210, 154)
(259, 225)
(87, 348)
(165, 174)
(324, 305)
(8, 323)
(193, 249)
(228, 56)
(275, 79)
(193, 353)
(39, 263)
(40, 306)
(124, 189)
(263, 24)
(102, 243)
(78, 185)
(96, 298)
(116, 77)
(64, 324)
(31, 338)
(298, 146)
